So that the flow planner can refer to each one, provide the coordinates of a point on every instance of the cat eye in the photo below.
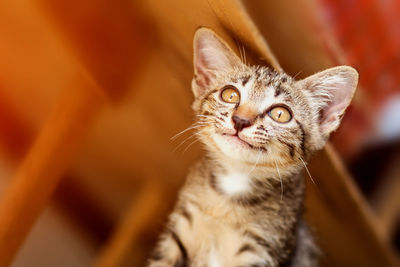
(280, 114)
(230, 95)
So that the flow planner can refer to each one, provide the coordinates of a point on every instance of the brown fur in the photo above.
(242, 204)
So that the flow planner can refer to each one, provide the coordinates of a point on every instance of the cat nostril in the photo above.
(240, 123)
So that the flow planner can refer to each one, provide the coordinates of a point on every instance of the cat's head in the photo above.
(255, 114)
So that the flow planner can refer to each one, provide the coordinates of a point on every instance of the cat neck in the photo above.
(240, 180)
(253, 170)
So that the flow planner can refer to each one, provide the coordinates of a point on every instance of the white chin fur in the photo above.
(237, 150)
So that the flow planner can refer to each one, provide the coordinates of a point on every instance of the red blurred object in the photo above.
(369, 35)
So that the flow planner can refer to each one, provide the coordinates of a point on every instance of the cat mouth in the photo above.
(236, 139)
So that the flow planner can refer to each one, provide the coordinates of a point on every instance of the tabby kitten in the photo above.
(242, 204)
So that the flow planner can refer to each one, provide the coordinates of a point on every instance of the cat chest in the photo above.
(211, 242)
(219, 241)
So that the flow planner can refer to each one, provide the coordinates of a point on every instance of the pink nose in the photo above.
(240, 123)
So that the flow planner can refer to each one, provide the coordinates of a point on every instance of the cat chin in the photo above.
(237, 149)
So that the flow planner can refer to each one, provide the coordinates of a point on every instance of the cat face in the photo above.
(250, 115)
(256, 115)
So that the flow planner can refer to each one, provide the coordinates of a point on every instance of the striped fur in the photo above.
(242, 204)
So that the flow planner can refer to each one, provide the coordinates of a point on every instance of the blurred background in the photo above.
(91, 93)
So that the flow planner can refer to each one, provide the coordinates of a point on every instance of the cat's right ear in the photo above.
(211, 55)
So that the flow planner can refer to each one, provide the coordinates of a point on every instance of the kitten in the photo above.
(242, 204)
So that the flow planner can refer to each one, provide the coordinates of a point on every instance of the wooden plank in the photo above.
(228, 18)
(106, 52)
(108, 38)
(148, 205)
(386, 200)
(345, 226)
(41, 169)
(290, 29)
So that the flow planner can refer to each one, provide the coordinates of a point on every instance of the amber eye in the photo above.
(230, 95)
(280, 114)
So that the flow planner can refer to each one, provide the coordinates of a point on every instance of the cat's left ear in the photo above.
(211, 55)
(332, 91)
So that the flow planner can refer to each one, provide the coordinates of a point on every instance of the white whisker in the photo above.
(297, 74)
(240, 53)
(309, 174)
(205, 116)
(244, 55)
(184, 141)
(255, 164)
(194, 126)
(187, 147)
(190, 137)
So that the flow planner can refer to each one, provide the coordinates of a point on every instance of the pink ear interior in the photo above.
(332, 90)
(340, 99)
(211, 55)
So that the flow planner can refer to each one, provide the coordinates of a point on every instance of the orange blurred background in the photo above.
(92, 91)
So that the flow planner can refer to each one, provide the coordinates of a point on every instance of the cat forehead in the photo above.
(258, 82)
(261, 78)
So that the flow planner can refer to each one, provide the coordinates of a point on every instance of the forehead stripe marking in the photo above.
(278, 91)
(245, 80)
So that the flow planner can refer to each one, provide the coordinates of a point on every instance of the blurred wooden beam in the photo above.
(227, 17)
(345, 225)
(147, 210)
(107, 51)
(386, 201)
(289, 28)
(108, 38)
(15, 136)
(83, 208)
(44, 165)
